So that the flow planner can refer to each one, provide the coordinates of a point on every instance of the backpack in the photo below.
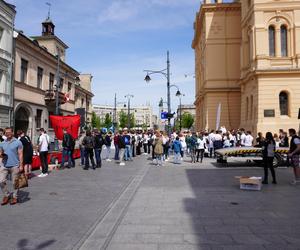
(89, 142)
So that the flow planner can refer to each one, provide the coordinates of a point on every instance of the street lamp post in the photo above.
(179, 95)
(128, 96)
(57, 84)
(166, 73)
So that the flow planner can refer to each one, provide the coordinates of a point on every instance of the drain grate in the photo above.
(234, 203)
(53, 193)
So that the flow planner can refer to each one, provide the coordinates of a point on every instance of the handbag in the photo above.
(21, 181)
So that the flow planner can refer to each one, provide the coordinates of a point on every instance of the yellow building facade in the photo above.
(247, 62)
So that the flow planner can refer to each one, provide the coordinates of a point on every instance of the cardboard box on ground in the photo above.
(250, 182)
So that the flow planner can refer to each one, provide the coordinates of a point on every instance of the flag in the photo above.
(71, 123)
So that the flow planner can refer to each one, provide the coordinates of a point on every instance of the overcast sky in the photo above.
(115, 40)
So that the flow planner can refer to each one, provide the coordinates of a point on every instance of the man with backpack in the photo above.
(88, 142)
(98, 144)
(68, 144)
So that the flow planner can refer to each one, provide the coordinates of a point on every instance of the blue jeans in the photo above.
(82, 156)
(116, 152)
(98, 156)
(66, 153)
(128, 153)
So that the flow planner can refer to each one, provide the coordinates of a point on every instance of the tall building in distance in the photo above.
(7, 18)
(247, 56)
(143, 114)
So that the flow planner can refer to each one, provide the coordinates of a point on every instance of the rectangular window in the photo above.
(69, 86)
(39, 77)
(24, 69)
(283, 37)
(61, 84)
(51, 81)
(1, 33)
(38, 119)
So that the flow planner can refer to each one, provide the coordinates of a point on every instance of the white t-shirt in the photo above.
(43, 142)
(243, 138)
(218, 137)
(201, 143)
(297, 141)
(248, 141)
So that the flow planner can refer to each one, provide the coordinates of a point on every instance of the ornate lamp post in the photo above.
(166, 74)
(128, 96)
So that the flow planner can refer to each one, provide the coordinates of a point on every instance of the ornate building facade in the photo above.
(7, 17)
(248, 62)
(39, 75)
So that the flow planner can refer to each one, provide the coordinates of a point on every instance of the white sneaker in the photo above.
(166, 159)
(122, 164)
(108, 159)
(295, 182)
(42, 175)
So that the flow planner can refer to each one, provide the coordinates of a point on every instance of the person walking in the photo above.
(98, 144)
(107, 142)
(81, 148)
(43, 144)
(122, 146)
(192, 147)
(268, 150)
(166, 146)
(127, 139)
(294, 155)
(116, 144)
(200, 147)
(158, 148)
(13, 149)
(177, 150)
(68, 145)
(27, 152)
(88, 143)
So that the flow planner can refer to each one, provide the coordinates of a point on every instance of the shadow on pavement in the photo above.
(23, 196)
(23, 244)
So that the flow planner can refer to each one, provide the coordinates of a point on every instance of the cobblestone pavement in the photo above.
(141, 206)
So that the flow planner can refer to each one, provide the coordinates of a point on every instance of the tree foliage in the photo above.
(187, 120)
(95, 121)
(107, 121)
(123, 120)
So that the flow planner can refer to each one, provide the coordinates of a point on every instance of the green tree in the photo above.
(187, 120)
(107, 121)
(95, 121)
(132, 120)
(122, 119)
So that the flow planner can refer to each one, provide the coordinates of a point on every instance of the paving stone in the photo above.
(117, 246)
(208, 239)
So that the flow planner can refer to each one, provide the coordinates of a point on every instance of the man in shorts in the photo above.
(294, 155)
(13, 148)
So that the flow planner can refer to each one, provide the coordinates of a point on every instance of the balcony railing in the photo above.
(50, 97)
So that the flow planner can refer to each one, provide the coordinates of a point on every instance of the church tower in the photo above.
(50, 41)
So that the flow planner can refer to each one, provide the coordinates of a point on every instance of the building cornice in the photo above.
(24, 39)
(205, 8)
(50, 37)
(80, 89)
(29, 88)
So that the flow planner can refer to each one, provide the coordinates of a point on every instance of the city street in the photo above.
(140, 206)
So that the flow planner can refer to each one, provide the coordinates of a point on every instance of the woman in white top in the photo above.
(200, 147)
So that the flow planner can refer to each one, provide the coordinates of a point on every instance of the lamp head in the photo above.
(178, 93)
(147, 78)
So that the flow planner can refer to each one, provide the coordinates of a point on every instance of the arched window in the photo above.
(283, 39)
(271, 41)
(284, 103)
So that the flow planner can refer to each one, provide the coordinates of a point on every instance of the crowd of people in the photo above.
(16, 152)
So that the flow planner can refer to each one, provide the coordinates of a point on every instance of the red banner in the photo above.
(71, 123)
